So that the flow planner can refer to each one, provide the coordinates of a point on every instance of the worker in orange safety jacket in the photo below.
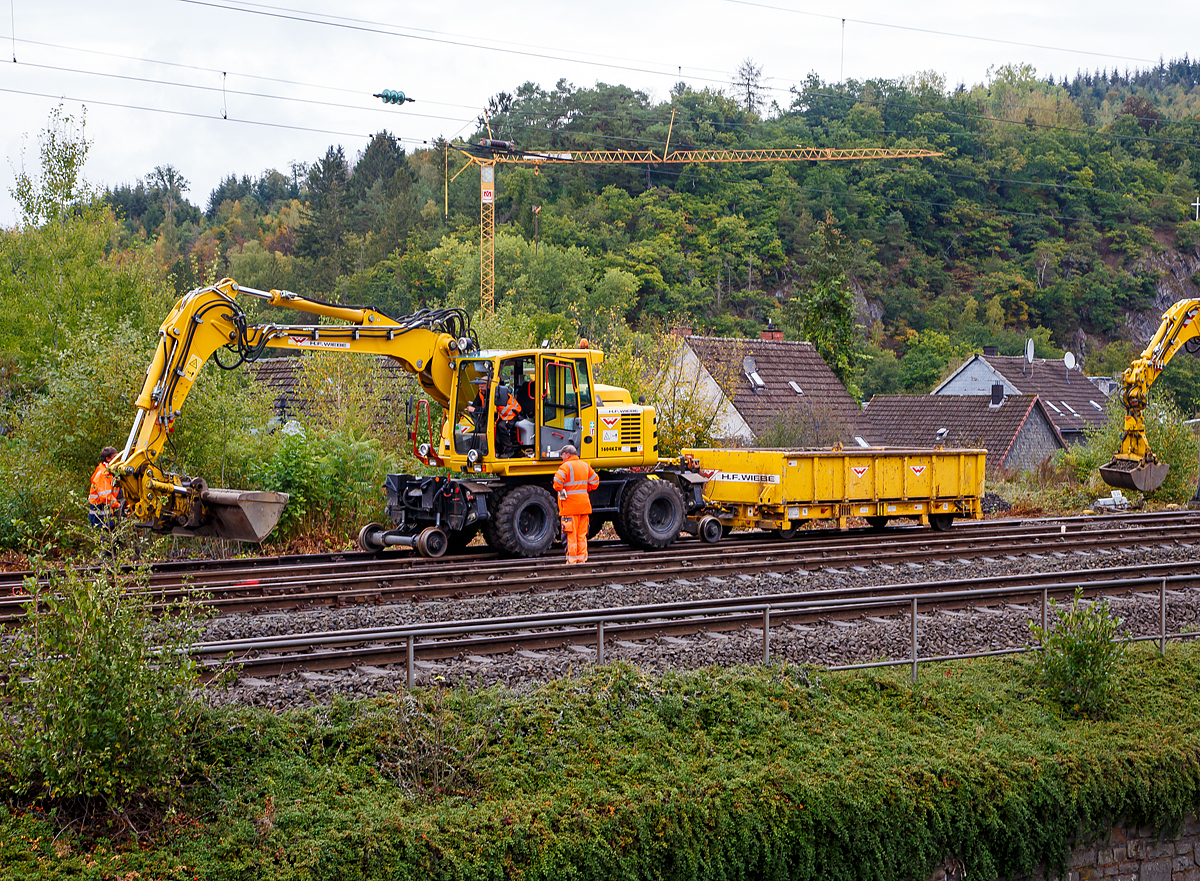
(507, 410)
(104, 497)
(572, 481)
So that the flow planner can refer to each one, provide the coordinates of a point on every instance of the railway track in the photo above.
(334, 650)
(264, 585)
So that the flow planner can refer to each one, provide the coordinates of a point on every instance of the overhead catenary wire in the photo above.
(429, 36)
(324, 15)
(900, 27)
(829, 94)
(382, 30)
(224, 91)
(207, 116)
(142, 59)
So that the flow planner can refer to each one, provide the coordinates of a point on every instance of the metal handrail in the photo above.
(699, 611)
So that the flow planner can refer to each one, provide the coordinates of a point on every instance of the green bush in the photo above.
(99, 698)
(1080, 656)
(87, 404)
(334, 481)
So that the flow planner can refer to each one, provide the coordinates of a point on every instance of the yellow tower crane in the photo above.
(490, 152)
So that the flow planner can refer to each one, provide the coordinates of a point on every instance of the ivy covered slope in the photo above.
(753, 773)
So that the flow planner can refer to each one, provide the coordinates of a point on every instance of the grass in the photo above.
(777, 772)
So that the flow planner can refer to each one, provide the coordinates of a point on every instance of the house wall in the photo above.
(1033, 443)
(729, 425)
(977, 378)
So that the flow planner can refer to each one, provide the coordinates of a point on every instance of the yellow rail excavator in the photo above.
(497, 471)
(1135, 466)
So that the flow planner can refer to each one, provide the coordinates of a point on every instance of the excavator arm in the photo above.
(208, 320)
(1135, 466)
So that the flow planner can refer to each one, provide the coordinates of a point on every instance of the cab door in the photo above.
(559, 418)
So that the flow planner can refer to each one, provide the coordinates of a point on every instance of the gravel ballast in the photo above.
(831, 643)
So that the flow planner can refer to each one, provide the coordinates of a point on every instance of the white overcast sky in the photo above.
(151, 72)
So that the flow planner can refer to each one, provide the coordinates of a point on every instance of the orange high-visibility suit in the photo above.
(572, 481)
(103, 500)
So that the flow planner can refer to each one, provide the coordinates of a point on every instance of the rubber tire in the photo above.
(526, 521)
(655, 514)
(595, 524)
(941, 522)
(620, 524)
(785, 534)
(877, 523)
(495, 499)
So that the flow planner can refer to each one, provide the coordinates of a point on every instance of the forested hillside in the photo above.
(1060, 211)
(1055, 212)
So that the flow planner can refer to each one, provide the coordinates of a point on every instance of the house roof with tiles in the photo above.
(970, 421)
(1072, 401)
(790, 376)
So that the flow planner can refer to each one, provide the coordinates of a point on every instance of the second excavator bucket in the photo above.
(1140, 474)
(237, 515)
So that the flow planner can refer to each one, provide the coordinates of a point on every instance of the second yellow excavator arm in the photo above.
(1134, 466)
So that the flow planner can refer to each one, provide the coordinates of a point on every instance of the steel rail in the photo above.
(594, 626)
(507, 576)
(215, 573)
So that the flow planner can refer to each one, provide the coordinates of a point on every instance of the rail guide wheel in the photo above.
(710, 530)
(941, 522)
(369, 538)
(432, 542)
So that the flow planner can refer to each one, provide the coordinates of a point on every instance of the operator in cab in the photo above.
(572, 481)
(507, 410)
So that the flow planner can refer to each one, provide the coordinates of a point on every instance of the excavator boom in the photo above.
(208, 319)
(1135, 465)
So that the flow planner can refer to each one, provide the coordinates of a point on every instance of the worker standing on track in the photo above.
(104, 498)
(572, 481)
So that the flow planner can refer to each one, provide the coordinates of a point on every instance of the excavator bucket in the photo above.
(1134, 474)
(238, 515)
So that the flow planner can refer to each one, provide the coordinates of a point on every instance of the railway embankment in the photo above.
(755, 772)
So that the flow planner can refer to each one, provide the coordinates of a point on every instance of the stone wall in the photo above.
(1127, 854)
(1032, 445)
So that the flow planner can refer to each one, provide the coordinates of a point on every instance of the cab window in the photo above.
(560, 399)
(470, 428)
(581, 377)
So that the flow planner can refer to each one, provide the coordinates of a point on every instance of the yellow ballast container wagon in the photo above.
(782, 490)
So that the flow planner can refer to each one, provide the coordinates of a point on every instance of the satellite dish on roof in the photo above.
(1069, 360)
(1029, 351)
(749, 365)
